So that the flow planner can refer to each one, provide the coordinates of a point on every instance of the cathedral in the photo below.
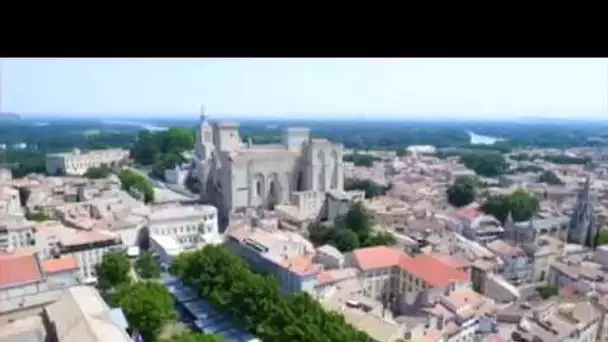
(583, 229)
(235, 175)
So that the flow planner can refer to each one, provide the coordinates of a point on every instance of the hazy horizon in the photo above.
(497, 89)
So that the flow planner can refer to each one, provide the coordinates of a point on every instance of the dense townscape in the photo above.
(223, 234)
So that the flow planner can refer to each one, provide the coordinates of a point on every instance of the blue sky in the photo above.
(314, 88)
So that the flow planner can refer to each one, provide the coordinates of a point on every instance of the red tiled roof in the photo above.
(451, 261)
(376, 257)
(432, 270)
(59, 265)
(18, 269)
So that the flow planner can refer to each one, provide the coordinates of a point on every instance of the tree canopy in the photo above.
(352, 231)
(547, 291)
(462, 192)
(521, 204)
(38, 216)
(602, 237)
(550, 178)
(360, 159)
(113, 270)
(102, 171)
(163, 150)
(487, 164)
(133, 181)
(371, 188)
(147, 266)
(190, 336)
(148, 306)
(255, 301)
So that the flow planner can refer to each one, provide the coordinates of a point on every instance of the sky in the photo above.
(312, 88)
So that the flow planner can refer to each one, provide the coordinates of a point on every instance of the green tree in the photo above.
(100, 172)
(550, 178)
(148, 306)
(358, 220)
(178, 140)
(255, 301)
(38, 217)
(190, 336)
(521, 204)
(360, 159)
(379, 239)
(462, 192)
(343, 239)
(488, 164)
(113, 270)
(147, 266)
(132, 180)
(602, 237)
(548, 291)
(371, 188)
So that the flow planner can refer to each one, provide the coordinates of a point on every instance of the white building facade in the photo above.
(76, 163)
(190, 226)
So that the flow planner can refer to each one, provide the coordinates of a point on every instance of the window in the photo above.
(258, 188)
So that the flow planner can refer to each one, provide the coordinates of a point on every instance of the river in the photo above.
(478, 139)
(143, 125)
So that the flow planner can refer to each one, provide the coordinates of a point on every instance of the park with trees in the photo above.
(255, 301)
(371, 188)
(463, 191)
(352, 231)
(521, 204)
(487, 164)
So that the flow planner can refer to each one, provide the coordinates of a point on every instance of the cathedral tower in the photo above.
(583, 228)
(204, 138)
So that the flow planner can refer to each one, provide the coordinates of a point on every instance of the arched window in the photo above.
(258, 188)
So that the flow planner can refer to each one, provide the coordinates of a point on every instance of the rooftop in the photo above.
(18, 268)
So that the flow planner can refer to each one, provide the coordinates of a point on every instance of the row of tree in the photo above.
(360, 159)
(255, 301)
(137, 184)
(147, 304)
(352, 231)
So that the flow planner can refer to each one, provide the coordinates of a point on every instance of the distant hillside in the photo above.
(9, 116)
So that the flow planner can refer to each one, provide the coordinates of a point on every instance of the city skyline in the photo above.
(476, 89)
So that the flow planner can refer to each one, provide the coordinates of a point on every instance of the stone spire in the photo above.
(509, 221)
(203, 115)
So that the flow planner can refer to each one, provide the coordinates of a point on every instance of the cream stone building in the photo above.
(236, 175)
(77, 162)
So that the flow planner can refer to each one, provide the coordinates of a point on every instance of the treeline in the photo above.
(487, 164)
(137, 184)
(163, 149)
(255, 302)
(555, 159)
(360, 159)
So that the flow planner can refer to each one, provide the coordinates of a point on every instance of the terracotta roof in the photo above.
(451, 261)
(302, 265)
(18, 269)
(435, 272)
(59, 265)
(377, 257)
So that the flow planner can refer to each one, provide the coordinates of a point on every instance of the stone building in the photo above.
(236, 175)
(76, 163)
(583, 228)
